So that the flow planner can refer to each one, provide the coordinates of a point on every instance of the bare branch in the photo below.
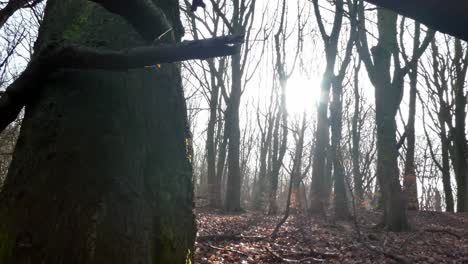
(147, 18)
(22, 90)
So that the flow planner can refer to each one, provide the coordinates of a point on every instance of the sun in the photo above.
(302, 94)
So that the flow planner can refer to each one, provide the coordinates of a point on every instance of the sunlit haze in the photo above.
(302, 94)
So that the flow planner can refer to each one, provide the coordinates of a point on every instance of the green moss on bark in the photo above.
(102, 155)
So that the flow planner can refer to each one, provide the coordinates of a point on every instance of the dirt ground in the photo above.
(245, 238)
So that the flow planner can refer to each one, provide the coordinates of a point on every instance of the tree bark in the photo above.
(388, 94)
(459, 143)
(101, 172)
(409, 177)
(281, 122)
(233, 188)
(296, 172)
(214, 182)
(321, 184)
(341, 202)
(443, 118)
(356, 139)
(280, 139)
(445, 16)
(265, 142)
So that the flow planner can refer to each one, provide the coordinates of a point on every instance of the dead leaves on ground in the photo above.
(244, 238)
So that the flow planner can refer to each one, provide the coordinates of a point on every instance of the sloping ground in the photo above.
(245, 238)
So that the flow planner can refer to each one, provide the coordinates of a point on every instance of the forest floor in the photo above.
(245, 238)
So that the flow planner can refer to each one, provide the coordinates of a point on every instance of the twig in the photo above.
(274, 234)
(230, 250)
(229, 237)
(292, 260)
(396, 257)
(446, 231)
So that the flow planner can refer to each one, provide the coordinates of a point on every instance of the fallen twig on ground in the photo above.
(276, 255)
(229, 237)
(446, 231)
(230, 250)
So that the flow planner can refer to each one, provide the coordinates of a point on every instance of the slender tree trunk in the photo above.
(261, 184)
(409, 176)
(214, 183)
(233, 188)
(388, 94)
(459, 137)
(446, 176)
(279, 149)
(446, 181)
(341, 202)
(321, 165)
(279, 145)
(275, 168)
(318, 193)
(443, 117)
(356, 138)
(220, 166)
(101, 171)
(296, 173)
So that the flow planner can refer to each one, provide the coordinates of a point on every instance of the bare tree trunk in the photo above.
(320, 188)
(214, 182)
(446, 181)
(279, 149)
(318, 192)
(388, 95)
(265, 142)
(296, 172)
(356, 139)
(443, 118)
(281, 123)
(233, 188)
(409, 176)
(459, 138)
(101, 171)
(341, 202)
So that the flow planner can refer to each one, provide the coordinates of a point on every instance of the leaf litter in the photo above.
(245, 238)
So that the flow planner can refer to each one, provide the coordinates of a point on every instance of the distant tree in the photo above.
(409, 174)
(284, 68)
(265, 140)
(388, 95)
(241, 21)
(321, 181)
(446, 82)
(212, 80)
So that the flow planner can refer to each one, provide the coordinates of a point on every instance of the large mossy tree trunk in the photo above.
(100, 172)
